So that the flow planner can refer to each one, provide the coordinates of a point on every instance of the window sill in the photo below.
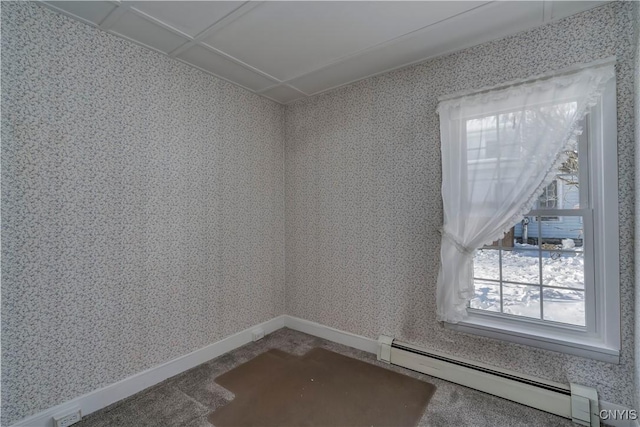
(584, 346)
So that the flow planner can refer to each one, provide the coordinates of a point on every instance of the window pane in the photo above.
(564, 190)
(482, 138)
(521, 300)
(553, 232)
(549, 197)
(568, 191)
(564, 245)
(563, 269)
(525, 233)
(487, 296)
(510, 129)
(521, 265)
(486, 264)
(563, 305)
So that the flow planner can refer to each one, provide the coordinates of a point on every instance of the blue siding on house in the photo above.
(568, 227)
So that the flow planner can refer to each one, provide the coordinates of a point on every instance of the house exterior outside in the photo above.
(562, 193)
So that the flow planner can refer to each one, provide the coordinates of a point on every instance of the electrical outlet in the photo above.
(257, 334)
(68, 418)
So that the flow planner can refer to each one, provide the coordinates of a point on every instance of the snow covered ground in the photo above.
(564, 270)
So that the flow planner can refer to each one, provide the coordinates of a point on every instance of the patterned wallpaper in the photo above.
(142, 209)
(637, 201)
(363, 201)
(142, 204)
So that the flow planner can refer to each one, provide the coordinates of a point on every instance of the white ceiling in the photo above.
(288, 50)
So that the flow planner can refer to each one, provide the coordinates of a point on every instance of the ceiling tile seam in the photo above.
(284, 83)
(121, 8)
(424, 59)
(238, 62)
(114, 16)
(409, 64)
(139, 43)
(283, 102)
(219, 24)
(56, 9)
(231, 17)
(429, 58)
(269, 88)
(221, 78)
(385, 43)
(279, 85)
(156, 50)
(160, 23)
(271, 99)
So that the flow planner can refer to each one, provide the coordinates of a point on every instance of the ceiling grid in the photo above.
(289, 50)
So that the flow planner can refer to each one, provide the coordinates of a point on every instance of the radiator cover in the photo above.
(548, 396)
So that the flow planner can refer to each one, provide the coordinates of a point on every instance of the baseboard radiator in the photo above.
(572, 401)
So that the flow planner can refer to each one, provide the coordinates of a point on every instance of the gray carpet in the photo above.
(187, 399)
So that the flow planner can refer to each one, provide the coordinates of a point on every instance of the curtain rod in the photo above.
(566, 70)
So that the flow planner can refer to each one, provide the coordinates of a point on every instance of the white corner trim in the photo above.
(341, 337)
(103, 397)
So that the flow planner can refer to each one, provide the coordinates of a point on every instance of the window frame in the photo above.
(600, 339)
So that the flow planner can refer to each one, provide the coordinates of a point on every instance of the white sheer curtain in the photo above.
(500, 149)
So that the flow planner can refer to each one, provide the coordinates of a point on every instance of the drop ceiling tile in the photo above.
(314, 46)
(562, 9)
(94, 11)
(486, 23)
(137, 28)
(221, 66)
(190, 17)
(283, 94)
(287, 39)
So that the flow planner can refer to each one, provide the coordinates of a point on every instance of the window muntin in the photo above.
(544, 282)
(537, 271)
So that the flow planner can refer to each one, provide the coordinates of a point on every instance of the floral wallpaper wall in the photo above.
(143, 204)
(142, 209)
(637, 200)
(363, 198)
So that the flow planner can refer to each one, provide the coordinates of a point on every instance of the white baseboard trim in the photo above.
(112, 393)
(622, 415)
(341, 337)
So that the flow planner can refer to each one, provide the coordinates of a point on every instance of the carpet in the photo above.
(320, 388)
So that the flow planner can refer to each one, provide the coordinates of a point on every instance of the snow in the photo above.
(564, 270)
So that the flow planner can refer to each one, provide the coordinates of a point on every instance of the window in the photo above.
(537, 270)
(551, 198)
(552, 281)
